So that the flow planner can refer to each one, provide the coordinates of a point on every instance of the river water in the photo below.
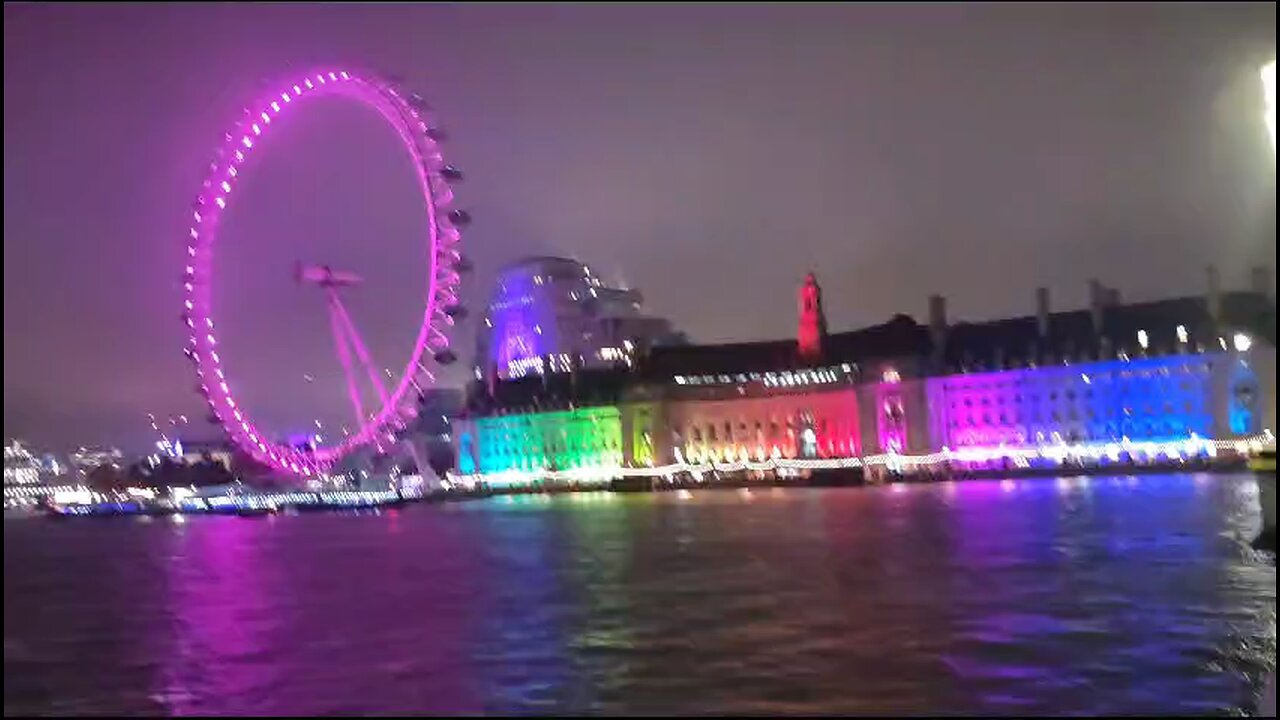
(1102, 595)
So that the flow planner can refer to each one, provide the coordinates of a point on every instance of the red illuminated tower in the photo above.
(813, 324)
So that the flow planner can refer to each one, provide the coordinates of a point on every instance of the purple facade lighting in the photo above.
(441, 279)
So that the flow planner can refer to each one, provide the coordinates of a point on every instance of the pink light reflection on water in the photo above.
(220, 608)
(251, 623)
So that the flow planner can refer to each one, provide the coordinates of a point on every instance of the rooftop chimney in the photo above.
(1214, 298)
(1042, 312)
(938, 325)
(937, 314)
(1097, 302)
(937, 311)
(1260, 280)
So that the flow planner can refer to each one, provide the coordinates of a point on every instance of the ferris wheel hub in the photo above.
(325, 276)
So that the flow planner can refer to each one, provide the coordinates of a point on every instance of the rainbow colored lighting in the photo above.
(1050, 455)
(555, 441)
(1142, 399)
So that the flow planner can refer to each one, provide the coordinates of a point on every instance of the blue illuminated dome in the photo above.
(553, 314)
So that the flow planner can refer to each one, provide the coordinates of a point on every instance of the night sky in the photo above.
(706, 155)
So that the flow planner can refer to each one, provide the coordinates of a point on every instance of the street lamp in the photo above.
(1269, 96)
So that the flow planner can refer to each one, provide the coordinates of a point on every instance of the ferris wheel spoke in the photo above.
(362, 352)
(344, 354)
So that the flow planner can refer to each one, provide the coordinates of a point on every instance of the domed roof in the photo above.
(543, 264)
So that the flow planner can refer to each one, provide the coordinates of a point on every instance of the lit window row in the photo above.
(612, 354)
(788, 378)
(523, 366)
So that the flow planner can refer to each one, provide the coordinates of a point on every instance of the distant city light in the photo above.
(1242, 342)
(1143, 340)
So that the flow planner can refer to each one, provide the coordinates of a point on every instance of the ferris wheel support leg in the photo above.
(417, 458)
(344, 354)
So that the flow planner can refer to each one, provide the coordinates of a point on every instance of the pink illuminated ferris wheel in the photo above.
(409, 115)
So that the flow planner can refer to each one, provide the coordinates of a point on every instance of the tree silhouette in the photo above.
(207, 471)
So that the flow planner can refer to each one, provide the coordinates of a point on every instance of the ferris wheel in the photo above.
(409, 115)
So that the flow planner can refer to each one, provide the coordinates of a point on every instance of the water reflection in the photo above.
(221, 612)
(1111, 595)
(522, 652)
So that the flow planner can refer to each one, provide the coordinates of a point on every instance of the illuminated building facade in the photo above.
(1145, 398)
(1192, 368)
(1186, 367)
(20, 466)
(838, 395)
(758, 425)
(554, 315)
(603, 436)
(584, 437)
(581, 420)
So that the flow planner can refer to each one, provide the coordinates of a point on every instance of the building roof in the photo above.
(1007, 342)
(1071, 333)
(544, 262)
(551, 391)
(899, 337)
(984, 344)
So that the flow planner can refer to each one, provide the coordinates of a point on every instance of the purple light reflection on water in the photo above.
(1022, 637)
(220, 605)
(250, 621)
(1097, 598)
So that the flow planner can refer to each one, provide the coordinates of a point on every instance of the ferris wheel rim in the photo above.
(408, 115)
